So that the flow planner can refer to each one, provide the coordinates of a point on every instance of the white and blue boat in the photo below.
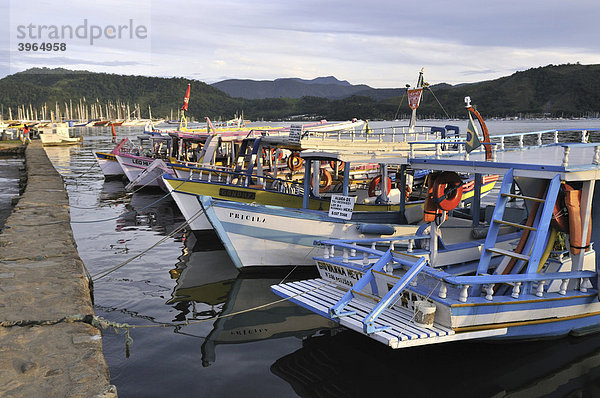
(420, 290)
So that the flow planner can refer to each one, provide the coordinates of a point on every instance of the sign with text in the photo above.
(295, 133)
(341, 206)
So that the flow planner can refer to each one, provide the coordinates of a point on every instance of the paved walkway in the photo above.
(42, 282)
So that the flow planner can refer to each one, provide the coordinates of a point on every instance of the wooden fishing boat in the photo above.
(57, 134)
(421, 289)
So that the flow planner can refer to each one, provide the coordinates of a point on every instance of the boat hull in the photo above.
(133, 166)
(109, 164)
(256, 236)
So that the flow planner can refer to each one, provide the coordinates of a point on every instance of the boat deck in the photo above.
(319, 295)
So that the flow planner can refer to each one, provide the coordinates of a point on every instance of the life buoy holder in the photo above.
(430, 209)
(271, 152)
(560, 213)
(447, 190)
(295, 162)
(374, 184)
(340, 164)
(325, 180)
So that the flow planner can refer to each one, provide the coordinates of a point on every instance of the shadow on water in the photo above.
(241, 305)
(350, 365)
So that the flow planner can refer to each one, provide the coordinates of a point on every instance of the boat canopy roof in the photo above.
(573, 161)
(384, 157)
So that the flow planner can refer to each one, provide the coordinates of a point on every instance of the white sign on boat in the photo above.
(295, 133)
(341, 206)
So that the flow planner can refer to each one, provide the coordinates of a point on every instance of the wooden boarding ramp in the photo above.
(319, 296)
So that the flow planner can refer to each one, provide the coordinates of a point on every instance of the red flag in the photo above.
(186, 99)
(414, 97)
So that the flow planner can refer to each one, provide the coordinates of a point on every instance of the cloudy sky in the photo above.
(382, 43)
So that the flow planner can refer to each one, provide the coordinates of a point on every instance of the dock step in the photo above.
(515, 225)
(318, 295)
(530, 198)
(509, 253)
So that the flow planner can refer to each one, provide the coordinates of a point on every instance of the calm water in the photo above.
(9, 185)
(277, 351)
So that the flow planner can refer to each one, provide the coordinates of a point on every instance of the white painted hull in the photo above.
(192, 210)
(110, 168)
(58, 139)
(133, 166)
(265, 239)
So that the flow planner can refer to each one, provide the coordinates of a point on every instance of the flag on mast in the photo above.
(472, 136)
(186, 99)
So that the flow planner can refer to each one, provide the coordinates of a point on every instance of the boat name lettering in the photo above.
(247, 217)
(335, 269)
(140, 162)
(248, 332)
(232, 193)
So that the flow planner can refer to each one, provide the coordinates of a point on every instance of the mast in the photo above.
(484, 130)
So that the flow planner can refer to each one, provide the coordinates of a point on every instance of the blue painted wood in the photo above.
(508, 278)
(242, 152)
(253, 156)
(369, 321)
(492, 234)
(337, 310)
(306, 194)
(543, 227)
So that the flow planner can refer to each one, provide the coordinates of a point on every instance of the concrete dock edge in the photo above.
(47, 348)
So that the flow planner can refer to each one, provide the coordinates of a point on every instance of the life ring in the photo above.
(341, 165)
(373, 185)
(325, 180)
(447, 190)
(295, 162)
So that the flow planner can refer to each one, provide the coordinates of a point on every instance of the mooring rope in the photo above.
(102, 274)
(102, 323)
(106, 219)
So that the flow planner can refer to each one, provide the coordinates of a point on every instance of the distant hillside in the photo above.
(553, 90)
(39, 86)
(563, 90)
(325, 87)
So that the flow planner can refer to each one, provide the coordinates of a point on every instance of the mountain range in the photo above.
(552, 90)
(326, 87)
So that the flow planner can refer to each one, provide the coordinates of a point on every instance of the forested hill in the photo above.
(325, 87)
(563, 90)
(42, 85)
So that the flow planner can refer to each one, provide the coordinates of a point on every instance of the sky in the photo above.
(382, 43)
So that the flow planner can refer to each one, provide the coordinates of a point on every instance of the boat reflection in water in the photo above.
(147, 210)
(209, 286)
(348, 365)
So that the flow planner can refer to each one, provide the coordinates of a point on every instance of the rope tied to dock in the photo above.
(102, 274)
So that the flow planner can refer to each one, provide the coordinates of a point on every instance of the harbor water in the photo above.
(200, 328)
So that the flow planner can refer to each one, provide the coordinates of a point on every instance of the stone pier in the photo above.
(47, 346)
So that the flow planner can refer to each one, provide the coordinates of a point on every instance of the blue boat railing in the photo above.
(504, 142)
(239, 178)
(361, 259)
(391, 134)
